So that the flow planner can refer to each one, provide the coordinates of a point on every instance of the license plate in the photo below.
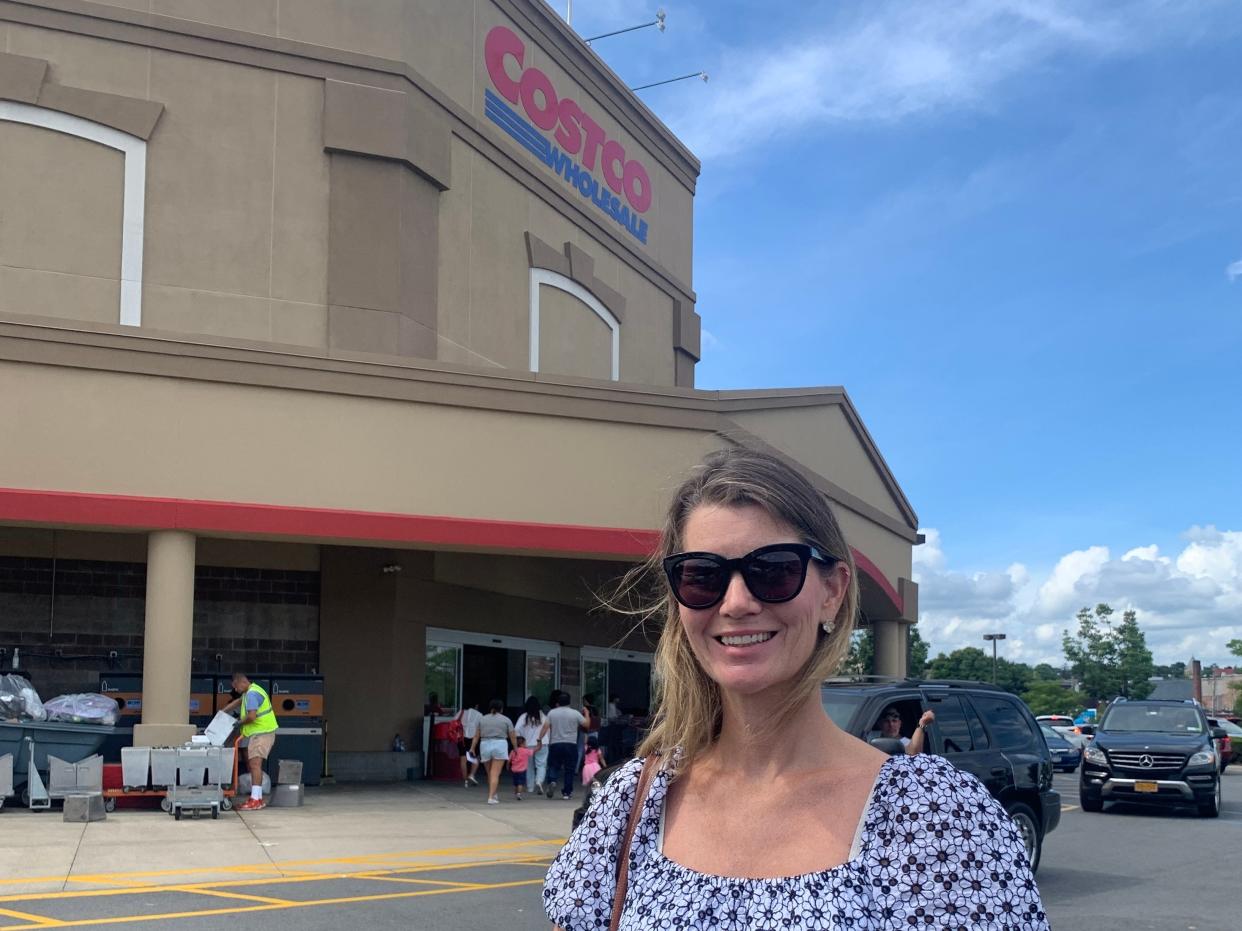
(1146, 787)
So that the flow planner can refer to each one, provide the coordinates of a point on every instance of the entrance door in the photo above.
(508, 668)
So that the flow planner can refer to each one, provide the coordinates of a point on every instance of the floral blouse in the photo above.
(933, 850)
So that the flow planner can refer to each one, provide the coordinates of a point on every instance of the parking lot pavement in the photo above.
(428, 856)
(405, 856)
(1142, 869)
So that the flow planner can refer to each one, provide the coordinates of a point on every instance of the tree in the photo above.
(1107, 660)
(973, 663)
(1046, 697)
(860, 661)
(1092, 653)
(1045, 672)
(917, 649)
(1133, 658)
(1171, 671)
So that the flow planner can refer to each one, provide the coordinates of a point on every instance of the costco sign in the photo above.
(579, 149)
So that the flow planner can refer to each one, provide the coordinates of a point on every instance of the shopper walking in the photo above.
(519, 765)
(593, 762)
(469, 716)
(561, 732)
(492, 742)
(258, 733)
(752, 808)
(530, 725)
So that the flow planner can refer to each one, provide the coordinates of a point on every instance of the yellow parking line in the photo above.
(358, 860)
(425, 882)
(1069, 808)
(38, 920)
(259, 881)
(225, 895)
(349, 900)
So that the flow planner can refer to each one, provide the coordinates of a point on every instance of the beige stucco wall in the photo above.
(823, 438)
(237, 208)
(185, 439)
(60, 233)
(573, 340)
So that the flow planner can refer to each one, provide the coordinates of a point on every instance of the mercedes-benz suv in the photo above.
(1152, 753)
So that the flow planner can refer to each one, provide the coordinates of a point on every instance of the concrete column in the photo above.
(890, 648)
(167, 640)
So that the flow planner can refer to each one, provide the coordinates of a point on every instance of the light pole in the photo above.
(993, 638)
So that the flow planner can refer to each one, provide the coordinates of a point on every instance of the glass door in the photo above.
(444, 675)
(541, 676)
(595, 681)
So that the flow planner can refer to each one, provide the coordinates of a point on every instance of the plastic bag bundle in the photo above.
(19, 701)
(88, 708)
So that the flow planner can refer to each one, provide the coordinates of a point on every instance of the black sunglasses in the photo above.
(774, 573)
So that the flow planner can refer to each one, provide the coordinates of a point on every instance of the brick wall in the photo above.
(264, 620)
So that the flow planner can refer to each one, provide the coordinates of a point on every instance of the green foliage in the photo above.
(1235, 647)
(1109, 661)
(974, 663)
(860, 661)
(1045, 697)
(1133, 658)
(1171, 671)
(917, 652)
(1045, 672)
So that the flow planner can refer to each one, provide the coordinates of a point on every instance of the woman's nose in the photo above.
(738, 599)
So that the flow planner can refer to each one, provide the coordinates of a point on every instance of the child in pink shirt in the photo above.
(593, 761)
(519, 759)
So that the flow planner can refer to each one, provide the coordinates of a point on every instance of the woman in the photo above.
(529, 724)
(762, 813)
(492, 742)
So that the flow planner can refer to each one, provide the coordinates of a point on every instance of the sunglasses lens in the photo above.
(776, 575)
(698, 583)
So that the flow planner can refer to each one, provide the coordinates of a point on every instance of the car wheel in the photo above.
(1090, 804)
(1211, 809)
(1028, 827)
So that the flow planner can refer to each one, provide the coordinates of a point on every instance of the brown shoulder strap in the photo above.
(650, 765)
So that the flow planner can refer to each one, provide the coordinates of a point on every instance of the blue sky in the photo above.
(1009, 229)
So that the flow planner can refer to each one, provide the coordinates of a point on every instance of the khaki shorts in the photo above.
(259, 746)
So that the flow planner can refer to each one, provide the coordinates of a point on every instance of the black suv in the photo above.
(979, 728)
(1154, 753)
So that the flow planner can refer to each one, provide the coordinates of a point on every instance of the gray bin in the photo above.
(220, 766)
(6, 776)
(135, 767)
(65, 776)
(163, 766)
(191, 766)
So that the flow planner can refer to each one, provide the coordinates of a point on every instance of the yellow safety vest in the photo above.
(265, 720)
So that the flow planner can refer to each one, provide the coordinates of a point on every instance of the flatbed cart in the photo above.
(175, 800)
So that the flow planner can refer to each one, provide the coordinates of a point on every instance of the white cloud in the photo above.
(896, 60)
(1188, 604)
(1233, 270)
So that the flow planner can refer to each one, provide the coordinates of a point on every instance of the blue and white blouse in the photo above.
(933, 850)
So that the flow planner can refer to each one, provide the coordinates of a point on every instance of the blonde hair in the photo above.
(689, 706)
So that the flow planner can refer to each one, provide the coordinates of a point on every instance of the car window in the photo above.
(978, 732)
(951, 722)
(840, 706)
(1161, 719)
(1007, 723)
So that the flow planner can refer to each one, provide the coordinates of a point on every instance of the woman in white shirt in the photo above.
(529, 724)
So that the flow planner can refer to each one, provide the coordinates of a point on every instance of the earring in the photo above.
(828, 626)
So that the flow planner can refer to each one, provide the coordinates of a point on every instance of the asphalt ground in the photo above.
(1126, 868)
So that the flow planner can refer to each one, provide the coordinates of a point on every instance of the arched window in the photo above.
(540, 277)
(134, 151)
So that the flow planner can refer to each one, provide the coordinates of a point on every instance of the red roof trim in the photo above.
(130, 512)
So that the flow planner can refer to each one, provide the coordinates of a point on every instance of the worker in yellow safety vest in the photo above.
(258, 730)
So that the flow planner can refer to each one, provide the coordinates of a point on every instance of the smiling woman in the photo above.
(749, 807)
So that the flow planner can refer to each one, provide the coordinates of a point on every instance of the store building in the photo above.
(357, 338)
